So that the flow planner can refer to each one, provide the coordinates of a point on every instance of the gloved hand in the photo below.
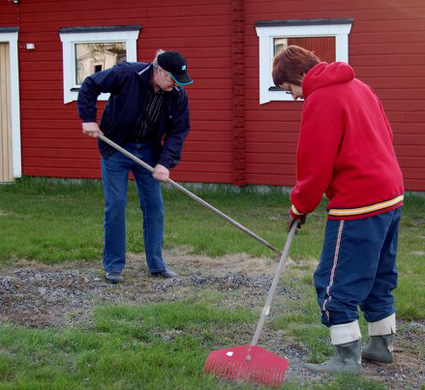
(295, 215)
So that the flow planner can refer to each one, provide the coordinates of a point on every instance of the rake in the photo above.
(190, 194)
(250, 363)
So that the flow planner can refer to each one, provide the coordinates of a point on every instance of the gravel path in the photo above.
(43, 296)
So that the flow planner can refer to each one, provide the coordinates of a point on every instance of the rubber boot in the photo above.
(380, 345)
(347, 340)
(379, 349)
(346, 360)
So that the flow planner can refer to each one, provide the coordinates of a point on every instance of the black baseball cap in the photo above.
(175, 63)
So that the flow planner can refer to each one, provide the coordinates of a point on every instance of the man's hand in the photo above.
(295, 215)
(91, 129)
(161, 173)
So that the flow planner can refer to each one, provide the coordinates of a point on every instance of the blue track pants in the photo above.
(358, 268)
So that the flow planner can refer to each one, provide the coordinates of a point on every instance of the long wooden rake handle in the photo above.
(279, 270)
(190, 194)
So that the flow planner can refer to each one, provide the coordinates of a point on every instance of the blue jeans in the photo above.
(115, 171)
(357, 268)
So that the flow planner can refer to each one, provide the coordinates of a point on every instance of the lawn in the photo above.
(59, 222)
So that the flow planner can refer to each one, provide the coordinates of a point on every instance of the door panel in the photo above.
(6, 157)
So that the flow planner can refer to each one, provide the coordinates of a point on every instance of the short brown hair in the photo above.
(291, 64)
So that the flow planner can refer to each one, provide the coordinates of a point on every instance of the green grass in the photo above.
(50, 221)
(57, 221)
(410, 260)
(126, 349)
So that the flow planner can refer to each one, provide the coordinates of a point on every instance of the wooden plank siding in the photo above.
(387, 51)
(233, 139)
(52, 142)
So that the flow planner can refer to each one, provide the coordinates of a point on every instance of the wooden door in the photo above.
(6, 158)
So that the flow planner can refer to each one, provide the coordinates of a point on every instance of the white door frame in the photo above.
(10, 35)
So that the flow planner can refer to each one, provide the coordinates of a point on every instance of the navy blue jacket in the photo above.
(128, 83)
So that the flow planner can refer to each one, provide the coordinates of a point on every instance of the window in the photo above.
(88, 50)
(95, 57)
(323, 47)
(328, 38)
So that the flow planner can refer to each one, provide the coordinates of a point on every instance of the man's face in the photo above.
(295, 90)
(163, 80)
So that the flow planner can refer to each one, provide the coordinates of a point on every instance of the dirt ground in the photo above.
(43, 296)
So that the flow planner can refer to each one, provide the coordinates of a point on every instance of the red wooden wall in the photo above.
(233, 139)
(387, 50)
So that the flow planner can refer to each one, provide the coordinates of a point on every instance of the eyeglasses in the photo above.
(285, 87)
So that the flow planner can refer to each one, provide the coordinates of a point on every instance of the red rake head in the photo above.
(263, 367)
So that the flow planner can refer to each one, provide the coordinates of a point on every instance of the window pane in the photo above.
(323, 47)
(279, 45)
(95, 57)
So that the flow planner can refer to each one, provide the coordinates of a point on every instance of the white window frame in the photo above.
(268, 30)
(11, 37)
(71, 36)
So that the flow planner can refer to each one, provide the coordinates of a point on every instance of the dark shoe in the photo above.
(165, 273)
(379, 349)
(114, 277)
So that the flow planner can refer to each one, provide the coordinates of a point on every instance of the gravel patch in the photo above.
(66, 295)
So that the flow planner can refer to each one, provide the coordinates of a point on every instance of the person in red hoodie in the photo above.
(345, 151)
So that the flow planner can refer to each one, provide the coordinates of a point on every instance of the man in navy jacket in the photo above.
(148, 115)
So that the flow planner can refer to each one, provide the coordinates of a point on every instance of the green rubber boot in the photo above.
(379, 349)
(346, 360)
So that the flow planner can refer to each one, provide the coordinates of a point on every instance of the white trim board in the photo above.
(266, 34)
(12, 39)
(69, 39)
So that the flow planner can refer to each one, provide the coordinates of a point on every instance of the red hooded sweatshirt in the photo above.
(345, 147)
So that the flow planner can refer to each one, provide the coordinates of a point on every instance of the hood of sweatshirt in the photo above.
(324, 75)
